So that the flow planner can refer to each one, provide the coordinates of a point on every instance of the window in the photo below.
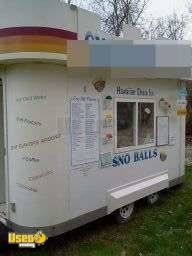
(145, 123)
(135, 123)
(125, 124)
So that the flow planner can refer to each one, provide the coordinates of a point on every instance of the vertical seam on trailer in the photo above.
(6, 157)
(180, 138)
(68, 138)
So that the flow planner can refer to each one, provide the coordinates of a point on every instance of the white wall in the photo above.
(47, 203)
(90, 186)
(46, 200)
(47, 13)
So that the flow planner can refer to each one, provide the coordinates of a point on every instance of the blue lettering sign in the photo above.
(121, 160)
(89, 36)
(125, 159)
(136, 157)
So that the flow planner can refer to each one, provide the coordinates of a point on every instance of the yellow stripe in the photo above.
(32, 39)
(33, 47)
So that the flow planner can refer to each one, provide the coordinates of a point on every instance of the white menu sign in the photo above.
(84, 130)
(162, 130)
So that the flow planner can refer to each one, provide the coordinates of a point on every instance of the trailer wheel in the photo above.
(123, 214)
(152, 199)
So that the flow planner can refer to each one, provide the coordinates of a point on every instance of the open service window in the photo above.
(135, 124)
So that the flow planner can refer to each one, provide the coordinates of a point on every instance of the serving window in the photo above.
(135, 124)
(145, 123)
(126, 124)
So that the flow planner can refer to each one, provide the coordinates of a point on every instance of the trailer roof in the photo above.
(138, 58)
(50, 31)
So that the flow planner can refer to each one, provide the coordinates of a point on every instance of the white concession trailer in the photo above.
(89, 124)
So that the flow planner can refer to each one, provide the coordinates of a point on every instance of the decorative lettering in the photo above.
(31, 159)
(28, 99)
(125, 159)
(29, 122)
(135, 92)
(28, 188)
(42, 175)
(36, 142)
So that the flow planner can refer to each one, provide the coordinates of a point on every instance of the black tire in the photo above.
(124, 214)
(152, 199)
(3, 233)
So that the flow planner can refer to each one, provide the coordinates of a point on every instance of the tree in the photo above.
(114, 13)
(169, 27)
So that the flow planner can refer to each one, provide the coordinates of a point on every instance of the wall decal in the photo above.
(24, 145)
(28, 188)
(30, 159)
(29, 122)
(134, 157)
(36, 142)
(42, 175)
(51, 138)
(106, 160)
(28, 99)
(99, 85)
(163, 156)
(135, 92)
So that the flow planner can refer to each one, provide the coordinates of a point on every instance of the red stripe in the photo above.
(43, 31)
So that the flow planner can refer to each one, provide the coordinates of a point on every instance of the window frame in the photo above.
(136, 101)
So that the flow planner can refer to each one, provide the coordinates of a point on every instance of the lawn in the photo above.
(160, 230)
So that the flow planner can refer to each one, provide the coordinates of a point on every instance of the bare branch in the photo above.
(115, 13)
(169, 27)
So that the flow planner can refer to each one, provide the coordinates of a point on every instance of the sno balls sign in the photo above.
(134, 157)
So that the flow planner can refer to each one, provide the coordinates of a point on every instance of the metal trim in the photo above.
(61, 228)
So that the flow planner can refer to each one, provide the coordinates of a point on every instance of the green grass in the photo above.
(164, 229)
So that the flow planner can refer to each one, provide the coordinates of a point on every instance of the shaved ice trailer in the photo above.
(87, 127)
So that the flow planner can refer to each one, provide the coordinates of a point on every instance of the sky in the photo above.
(165, 7)
(158, 8)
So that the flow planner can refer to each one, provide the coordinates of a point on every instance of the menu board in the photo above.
(162, 130)
(84, 130)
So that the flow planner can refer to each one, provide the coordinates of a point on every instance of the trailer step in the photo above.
(130, 193)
